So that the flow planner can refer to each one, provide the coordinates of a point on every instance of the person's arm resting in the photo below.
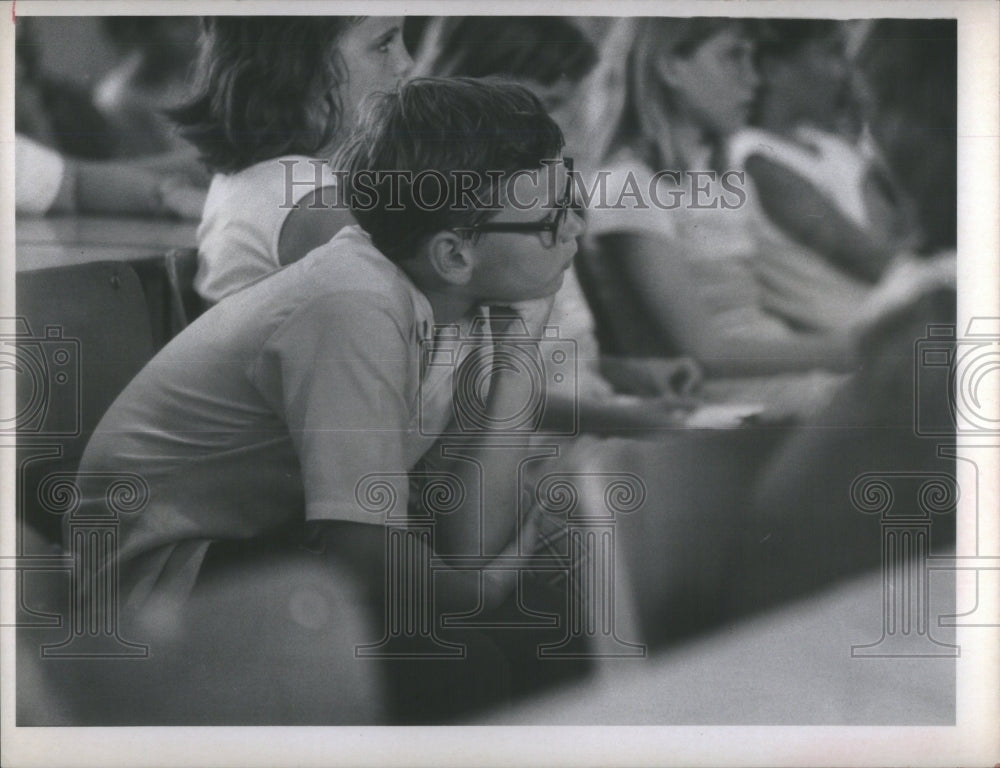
(673, 297)
(342, 368)
(801, 211)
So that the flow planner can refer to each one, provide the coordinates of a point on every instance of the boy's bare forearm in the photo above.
(486, 519)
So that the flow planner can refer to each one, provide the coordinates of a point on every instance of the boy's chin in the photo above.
(541, 292)
(552, 287)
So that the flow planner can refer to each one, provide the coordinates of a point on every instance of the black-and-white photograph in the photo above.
(498, 370)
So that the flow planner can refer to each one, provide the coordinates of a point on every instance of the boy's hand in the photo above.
(534, 313)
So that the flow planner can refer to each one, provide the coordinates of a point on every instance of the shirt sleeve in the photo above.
(303, 177)
(38, 175)
(338, 370)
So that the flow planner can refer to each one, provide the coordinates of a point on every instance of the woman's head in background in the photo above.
(911, 68)
(272, 86)
(376, 60)
(688, 81)
(550, 55)
(806, 76)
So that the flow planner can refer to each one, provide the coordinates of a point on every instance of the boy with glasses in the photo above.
(255, 428)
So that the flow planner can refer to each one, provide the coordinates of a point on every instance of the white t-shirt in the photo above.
(38, 175)
(621, 202)
(713, 246)
(829, 162)
(244, 213)
(271, 408)
(715, 249)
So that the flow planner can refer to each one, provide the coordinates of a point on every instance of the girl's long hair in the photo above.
(643, 123)
(264, 87)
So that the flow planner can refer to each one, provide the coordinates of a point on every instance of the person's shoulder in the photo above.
(627, 177)
(270, 189)
(767, 145)
(350, 263)
(333, 291)
(299, 170)
(628, 197)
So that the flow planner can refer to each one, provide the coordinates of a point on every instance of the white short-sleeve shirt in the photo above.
(244, 213)
(271, 408)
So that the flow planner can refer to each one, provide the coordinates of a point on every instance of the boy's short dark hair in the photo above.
(264, 87)
(485, 129)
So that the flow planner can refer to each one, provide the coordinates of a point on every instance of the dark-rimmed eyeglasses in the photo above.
(550, 228)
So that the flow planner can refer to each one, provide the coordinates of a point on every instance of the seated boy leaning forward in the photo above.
(255, 428)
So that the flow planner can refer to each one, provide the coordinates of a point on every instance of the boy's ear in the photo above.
(449, 256)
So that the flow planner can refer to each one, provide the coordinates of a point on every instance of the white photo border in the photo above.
(973, 740)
